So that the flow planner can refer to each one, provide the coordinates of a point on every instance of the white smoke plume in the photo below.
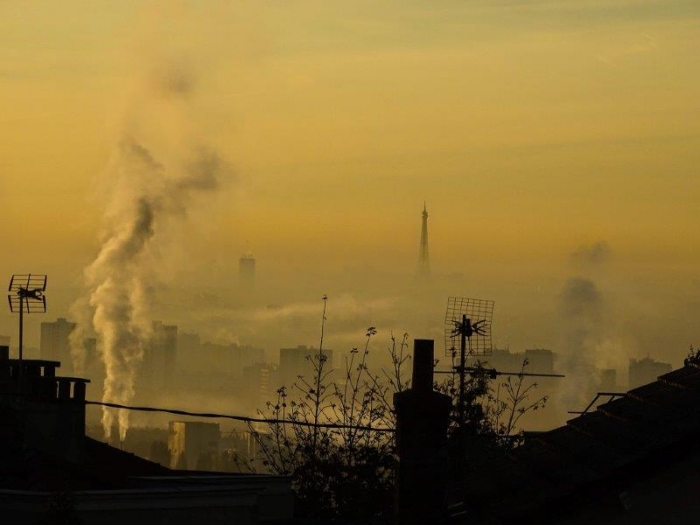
(592, 338)
(581, 309)
(146, 199)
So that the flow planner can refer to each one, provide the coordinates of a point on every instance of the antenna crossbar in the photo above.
(26, 295)
(493, 373)
(469, 322)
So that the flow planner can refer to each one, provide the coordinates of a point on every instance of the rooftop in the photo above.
(594, 455)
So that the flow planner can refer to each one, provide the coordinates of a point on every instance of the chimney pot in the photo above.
(423, 354)
(79, 391)
(63, 389)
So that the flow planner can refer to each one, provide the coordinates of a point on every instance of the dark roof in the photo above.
(100, 467)
(594, 455)
(113, 466)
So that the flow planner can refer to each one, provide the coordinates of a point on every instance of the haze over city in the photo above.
(554, 144)
(350, 262)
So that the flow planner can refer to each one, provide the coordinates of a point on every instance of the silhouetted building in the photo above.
(299, 361)
(227, 359)
(193, 445)
(160, 357)
(646, 370)
(540, 360)
(259, 383)
(216, 359)
(188, 350)
(51, 472)
(246, 271)
(54, 344)
(246, 355)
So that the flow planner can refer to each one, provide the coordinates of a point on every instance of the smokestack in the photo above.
(422, 418)
(423, 358)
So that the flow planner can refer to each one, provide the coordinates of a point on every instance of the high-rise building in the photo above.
(188, 351)
(646, 370)
(258, 384)
(297, 361)
(193, 445)
(608, 380)
(245, 355)
(55, 345)
(160, 356)
(423, 272)
(541, 360)
(246, 271)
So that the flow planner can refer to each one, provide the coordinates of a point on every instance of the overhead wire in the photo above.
(235, 417)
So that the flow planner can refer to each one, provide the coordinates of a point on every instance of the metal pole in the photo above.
(462, 370)
(21, 332)
(21, 327)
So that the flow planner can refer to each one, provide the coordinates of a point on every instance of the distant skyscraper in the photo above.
(54, 344)
(295, 362)
(424, 257)
(645, 371)
(246, 271)
(193, 445)
(160, 356)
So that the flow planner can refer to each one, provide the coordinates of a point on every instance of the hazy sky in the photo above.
(530, 128)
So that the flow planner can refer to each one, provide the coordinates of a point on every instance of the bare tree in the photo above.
(511, 400)
(334, 438)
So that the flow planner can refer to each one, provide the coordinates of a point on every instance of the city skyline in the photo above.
(558, 171)
(340, 262)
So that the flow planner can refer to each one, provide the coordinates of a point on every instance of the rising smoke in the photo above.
(146, 204)
(591, 337)
(581, 308)
(592, 254)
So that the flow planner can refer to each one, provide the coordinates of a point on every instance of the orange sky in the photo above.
(529, 129)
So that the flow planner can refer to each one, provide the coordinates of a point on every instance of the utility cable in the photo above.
(245, 419)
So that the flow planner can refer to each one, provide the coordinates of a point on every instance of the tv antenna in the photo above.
(467, 331)
(26, 295)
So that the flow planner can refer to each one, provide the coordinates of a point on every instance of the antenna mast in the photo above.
(26, 294)
(470, 321)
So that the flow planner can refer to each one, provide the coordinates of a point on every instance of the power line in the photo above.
(245, 419)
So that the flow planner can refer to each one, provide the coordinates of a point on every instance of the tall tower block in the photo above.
(246, 271)
(423, 272)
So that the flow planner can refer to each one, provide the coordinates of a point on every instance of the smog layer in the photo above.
(149, 150)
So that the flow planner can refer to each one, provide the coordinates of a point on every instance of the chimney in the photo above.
(422, 418)
(423, 357)
(49, 411)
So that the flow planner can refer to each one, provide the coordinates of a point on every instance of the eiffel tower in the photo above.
(423, 273)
